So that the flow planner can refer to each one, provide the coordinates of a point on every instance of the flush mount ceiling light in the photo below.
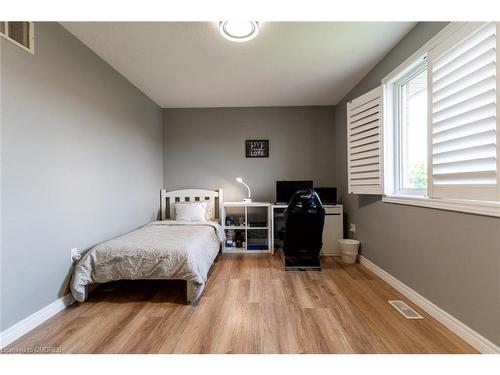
(239, 31)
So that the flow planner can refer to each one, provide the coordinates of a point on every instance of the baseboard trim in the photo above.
(11, 334)
(480, 343)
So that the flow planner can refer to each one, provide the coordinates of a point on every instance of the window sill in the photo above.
(471, 207)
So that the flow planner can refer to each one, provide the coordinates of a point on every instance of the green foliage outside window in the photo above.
(418, 176)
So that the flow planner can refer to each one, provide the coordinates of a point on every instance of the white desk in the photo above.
(333, 229)
(274, 208)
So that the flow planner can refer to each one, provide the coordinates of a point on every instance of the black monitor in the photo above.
(286, 189)
(328, 195)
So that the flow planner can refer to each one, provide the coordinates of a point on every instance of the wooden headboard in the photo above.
(169, 198)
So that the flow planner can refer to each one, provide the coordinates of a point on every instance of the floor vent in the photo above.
(405, 310)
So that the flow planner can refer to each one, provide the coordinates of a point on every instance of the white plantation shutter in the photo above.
(364, 143)
(463, 119)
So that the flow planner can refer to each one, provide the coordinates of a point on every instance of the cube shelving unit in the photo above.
(254, 221)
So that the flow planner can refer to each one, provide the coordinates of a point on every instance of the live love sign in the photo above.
(257, 148)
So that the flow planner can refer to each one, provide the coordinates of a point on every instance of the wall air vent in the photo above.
(19, 33)
(405, 310)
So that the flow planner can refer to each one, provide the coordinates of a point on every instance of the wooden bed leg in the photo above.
(189, 292)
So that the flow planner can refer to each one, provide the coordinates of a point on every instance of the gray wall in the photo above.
(205, 148)
(81, 162)
(451, 258)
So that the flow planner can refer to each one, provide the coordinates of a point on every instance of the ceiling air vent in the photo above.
(19, 33)
(405, 310)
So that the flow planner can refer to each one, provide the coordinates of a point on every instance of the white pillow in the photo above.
(191, 211)
(210, 209)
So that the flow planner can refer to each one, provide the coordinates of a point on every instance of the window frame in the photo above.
(391, 194)
(397, 140)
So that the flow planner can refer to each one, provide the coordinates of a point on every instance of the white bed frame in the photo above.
(169, 198)
(167, 205)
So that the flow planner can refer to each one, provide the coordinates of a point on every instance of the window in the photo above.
(441, 134)
(19, 33)
(411, 132)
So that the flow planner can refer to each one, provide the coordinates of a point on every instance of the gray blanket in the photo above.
(160, 250)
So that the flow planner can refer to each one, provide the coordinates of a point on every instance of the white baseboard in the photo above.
(24, 326)
(480, 343)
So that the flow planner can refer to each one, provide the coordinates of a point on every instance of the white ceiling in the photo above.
(189, 64)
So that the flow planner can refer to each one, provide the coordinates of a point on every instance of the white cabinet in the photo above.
(333, 229)
(249, 228)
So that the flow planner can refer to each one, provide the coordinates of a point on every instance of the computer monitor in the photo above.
(286, 189)
(328, 195)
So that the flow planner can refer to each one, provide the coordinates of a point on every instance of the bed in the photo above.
(164, 249)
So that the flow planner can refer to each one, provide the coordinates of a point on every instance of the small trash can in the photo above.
(349, 250)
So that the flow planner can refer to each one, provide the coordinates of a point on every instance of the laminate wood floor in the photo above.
(250, 305)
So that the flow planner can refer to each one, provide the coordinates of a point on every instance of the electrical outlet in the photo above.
(74, 255)
(352, 228)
